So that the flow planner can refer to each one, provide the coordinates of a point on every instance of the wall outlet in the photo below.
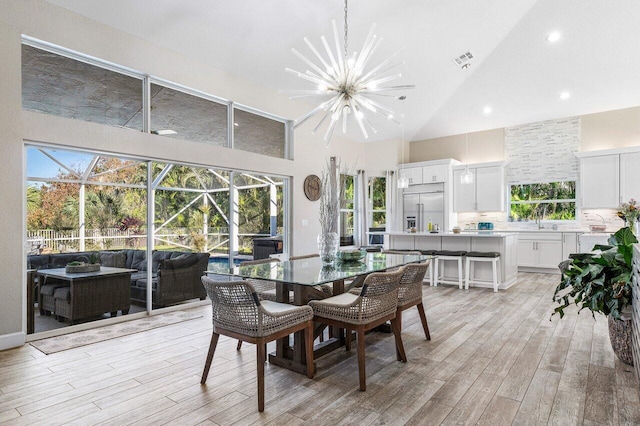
(305, 222)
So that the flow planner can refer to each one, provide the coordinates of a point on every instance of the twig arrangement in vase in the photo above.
(328, 240)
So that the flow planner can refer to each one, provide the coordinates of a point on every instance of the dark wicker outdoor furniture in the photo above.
(89, 294)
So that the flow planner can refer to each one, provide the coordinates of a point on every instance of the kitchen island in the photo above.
(505, 243)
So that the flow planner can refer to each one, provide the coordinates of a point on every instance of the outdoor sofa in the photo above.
(175, 276)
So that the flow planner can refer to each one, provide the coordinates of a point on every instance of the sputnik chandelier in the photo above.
(343, 86)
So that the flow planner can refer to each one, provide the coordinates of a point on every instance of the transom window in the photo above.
(544, 201)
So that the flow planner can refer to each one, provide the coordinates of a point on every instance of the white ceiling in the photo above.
(515, 69)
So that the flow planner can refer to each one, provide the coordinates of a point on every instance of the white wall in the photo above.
(46, 22)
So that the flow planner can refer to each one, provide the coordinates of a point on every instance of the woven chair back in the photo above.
(379, 295)
(410, 287)
(234, 305)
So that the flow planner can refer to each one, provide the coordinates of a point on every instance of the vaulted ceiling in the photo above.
(515, 70)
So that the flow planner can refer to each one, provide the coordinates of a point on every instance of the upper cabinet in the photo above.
(414, 174)
(485, 194)
(630, 176)
(436, 173)
(608, 179)
(600, 181)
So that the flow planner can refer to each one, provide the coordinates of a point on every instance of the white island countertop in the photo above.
(484, 234)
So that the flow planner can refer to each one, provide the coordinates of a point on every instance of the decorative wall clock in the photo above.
(312, 187)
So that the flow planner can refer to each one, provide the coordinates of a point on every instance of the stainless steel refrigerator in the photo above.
(423, 203)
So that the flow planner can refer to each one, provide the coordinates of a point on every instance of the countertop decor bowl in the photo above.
(597, 228)
(351, 255)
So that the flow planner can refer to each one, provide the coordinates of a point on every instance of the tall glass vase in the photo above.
(328, 246)
(634, 226)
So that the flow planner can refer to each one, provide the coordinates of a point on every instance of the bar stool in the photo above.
(430, 270)
(443, 255)
(482, 256)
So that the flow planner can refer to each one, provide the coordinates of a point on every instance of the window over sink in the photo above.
(542, 201)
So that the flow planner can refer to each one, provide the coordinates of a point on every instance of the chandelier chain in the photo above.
(346, 31)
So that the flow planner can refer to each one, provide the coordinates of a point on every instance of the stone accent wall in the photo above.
(542, 151)
(636, 310)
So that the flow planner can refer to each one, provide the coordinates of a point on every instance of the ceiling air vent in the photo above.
(463, 59)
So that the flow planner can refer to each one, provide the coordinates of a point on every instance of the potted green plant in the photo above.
(601, 282)
(84, 264)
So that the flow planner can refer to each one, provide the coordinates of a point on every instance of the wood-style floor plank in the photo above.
(494, 359)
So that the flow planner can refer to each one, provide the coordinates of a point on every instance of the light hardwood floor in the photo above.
(495, 358)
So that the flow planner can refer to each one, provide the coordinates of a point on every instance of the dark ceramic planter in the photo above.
(620, 336)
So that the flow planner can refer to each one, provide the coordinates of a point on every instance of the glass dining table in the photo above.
(302, 278)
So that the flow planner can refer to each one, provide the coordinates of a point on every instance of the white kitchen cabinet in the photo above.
(485, 194)
(600, 181)
(569, 244)
(629, 180)
(414, 174)
(435, 173)
(540, 250)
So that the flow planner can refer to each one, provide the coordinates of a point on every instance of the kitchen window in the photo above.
(377, 202)
(543, 201)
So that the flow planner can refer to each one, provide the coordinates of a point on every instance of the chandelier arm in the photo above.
(322, 120)
(306, 92)
(337, 40)
(388, 88)
(359, 114)
(312, 65)
(371, 52)
(382, 64)
(383, 80)
(344, 120)
(363, 81)
(364, 116)
(311, 113)
(368, 44)
(331, 58)
(304, 76)
(330, 129)
(313, 49)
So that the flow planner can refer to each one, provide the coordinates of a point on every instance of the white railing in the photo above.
(49, 240)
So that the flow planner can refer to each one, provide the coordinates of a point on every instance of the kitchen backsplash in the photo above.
(588, 217)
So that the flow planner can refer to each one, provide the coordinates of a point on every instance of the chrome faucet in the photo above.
(600, 216)
(540, 217)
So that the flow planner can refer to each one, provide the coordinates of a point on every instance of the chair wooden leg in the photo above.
(347, 339)
(361, 369)
(423, 317)
(397, 333)
(261, 355)
(239, 345)
(308, 337)
(207, 364)
(399, 323)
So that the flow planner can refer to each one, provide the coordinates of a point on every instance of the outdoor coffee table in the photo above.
(91, 293)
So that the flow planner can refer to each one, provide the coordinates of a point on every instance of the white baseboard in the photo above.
(13, 340)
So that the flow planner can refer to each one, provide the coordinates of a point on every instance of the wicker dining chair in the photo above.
(239, 313)
(376, 304)
(265, 289)
(410, 290)
(410, 293)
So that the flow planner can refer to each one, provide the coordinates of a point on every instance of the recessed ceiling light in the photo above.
(553, 37)
(487, 110)
(164, 132)
(565, 95)
(236, 124)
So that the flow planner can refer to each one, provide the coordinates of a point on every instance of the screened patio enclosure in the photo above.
(83, 201)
